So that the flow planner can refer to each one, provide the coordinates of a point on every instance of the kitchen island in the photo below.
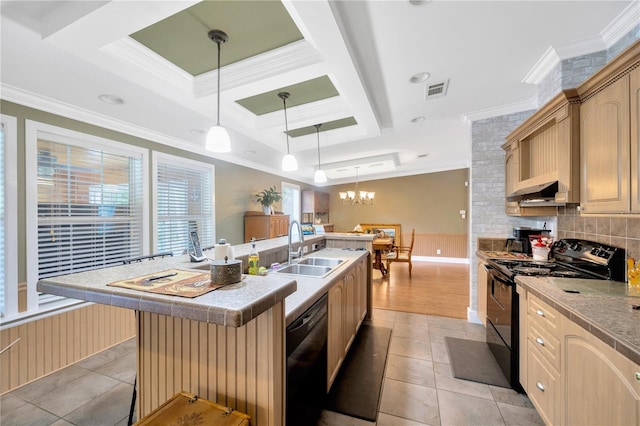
(226, 345)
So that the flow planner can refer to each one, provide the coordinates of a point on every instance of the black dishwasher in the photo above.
(306, 342)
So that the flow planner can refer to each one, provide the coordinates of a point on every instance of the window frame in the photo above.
(161, 157)
(297, 201)
(10, 129)
(33, 131)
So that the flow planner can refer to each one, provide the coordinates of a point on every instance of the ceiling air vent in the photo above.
(436, 90)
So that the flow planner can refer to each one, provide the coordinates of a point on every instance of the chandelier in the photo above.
(357, 197)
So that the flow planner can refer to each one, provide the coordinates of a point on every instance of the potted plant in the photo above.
(267, 198)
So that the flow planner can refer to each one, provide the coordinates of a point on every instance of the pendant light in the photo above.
(320, 176)
(218, 137)
(289, 162)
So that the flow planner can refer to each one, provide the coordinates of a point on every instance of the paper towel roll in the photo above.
(222, 250)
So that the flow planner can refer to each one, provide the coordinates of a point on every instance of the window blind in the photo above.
(89, 208)
(184, 202)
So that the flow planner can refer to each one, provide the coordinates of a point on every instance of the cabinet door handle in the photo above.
(540, 341)
(540, 386)
(638, 376)
(540, 312)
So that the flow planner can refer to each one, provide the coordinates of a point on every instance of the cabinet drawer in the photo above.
(544, 316)
(547, 344)
(542, 382)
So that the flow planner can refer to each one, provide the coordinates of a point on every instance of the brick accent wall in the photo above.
(488, 218)
(623, 43)
(576, 71)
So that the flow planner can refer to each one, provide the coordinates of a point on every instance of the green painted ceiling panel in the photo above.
(254, 27)
(300, 93)
(331, 125)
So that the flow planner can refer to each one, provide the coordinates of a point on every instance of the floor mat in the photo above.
(473, 360)
(357, 389)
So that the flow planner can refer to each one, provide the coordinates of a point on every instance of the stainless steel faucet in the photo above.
(298, 252)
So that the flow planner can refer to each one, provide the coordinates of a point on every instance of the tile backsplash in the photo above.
(623, 232)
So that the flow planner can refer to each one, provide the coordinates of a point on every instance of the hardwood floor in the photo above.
(434, 289)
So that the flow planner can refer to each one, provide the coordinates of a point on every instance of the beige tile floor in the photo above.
(418, 387)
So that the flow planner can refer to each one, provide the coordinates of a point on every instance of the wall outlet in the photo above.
(438, 251)
(314, 246)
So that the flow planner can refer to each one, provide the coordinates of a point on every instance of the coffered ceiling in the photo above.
(346, 64)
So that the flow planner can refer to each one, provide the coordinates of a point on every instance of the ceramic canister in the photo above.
(227, 271)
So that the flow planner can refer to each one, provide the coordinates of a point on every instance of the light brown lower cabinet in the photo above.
(601, 386)
(347, 308)
(571, 376)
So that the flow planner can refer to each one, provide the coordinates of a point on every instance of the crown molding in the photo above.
(292, 57)
(500, 110)
(621, 25)
(624, 23)
(543, 67)
(130, 51)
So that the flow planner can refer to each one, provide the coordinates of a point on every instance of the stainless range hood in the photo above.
(537, 195)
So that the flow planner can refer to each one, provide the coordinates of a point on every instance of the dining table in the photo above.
(381, 245)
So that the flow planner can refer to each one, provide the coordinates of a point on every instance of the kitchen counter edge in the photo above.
(233, 305)
(609, 318)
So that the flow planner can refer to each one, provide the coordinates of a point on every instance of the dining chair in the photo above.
(401, 254)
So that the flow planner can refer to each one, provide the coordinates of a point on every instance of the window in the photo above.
(85, 204)
(291, 200)
(183, 202)
(8, 217)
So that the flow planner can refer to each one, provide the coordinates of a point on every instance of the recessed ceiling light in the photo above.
(417, 119)
(250, 152)
(196, 132)
(420, 77)
(111, 99)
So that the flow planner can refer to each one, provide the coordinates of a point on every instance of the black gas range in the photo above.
(569, 258)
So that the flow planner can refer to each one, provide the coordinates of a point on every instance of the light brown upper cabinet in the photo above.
(609, 136)
(315, 202)
(315, 208)
(542, 150)
(634, 80)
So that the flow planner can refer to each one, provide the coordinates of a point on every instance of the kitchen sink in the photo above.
(320, 261)
(307, 270)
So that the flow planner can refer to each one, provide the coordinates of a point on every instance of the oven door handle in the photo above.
(494, 273)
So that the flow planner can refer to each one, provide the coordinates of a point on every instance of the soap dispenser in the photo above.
(254, 259)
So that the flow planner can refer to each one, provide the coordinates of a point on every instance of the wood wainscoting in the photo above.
(243, 367)
(450, 245)
(51, 343)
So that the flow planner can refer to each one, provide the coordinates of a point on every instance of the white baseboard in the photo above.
(472, 316)
(440, 259)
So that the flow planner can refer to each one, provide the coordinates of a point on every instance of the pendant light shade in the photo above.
(289, 162)
(320, 176)
(218, 138)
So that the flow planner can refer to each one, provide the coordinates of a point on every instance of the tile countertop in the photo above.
(233, 305)
(601, 307)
